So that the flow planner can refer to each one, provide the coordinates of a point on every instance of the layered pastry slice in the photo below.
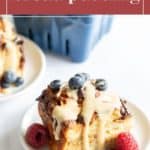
(81, 115)
(11, 57)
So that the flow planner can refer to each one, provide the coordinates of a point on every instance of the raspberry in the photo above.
(125, 141)
(36, 135)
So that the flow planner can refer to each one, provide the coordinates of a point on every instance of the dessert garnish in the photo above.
(55, 85)
(19, 81)
(125, 141)
(37, 135)
(85, 76)
(101, 84)
(78, 80)
(10, 79)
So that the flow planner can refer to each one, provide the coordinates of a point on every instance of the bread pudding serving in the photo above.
(81, 115)
(11, 57)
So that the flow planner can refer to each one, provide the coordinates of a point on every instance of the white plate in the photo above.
(141, 126)
(34, 69)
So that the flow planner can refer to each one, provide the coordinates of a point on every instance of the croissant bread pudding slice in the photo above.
(11, 57)
(81, 115)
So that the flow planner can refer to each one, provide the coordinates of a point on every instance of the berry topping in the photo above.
(19, 81)
(125, 141)
(101, 84)
(9, 77)
(4, 85)
(36, 135)
(85, 76)
(55, 85)
(76, 82)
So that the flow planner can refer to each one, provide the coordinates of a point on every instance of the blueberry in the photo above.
(19, 81)
(85, 76)
(101, 84)
(9, 77)
(76, 82)
(5, 85)
(55, 85)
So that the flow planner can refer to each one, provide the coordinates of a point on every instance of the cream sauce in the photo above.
(103, 105)
(69, 111)
(10, 56)
(10, 59)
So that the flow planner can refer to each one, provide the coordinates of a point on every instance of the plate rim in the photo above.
(26, 146)
(35, 80)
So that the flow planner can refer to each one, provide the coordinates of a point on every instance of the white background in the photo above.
(122, 58)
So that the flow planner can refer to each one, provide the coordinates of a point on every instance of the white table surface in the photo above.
(122, 58)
